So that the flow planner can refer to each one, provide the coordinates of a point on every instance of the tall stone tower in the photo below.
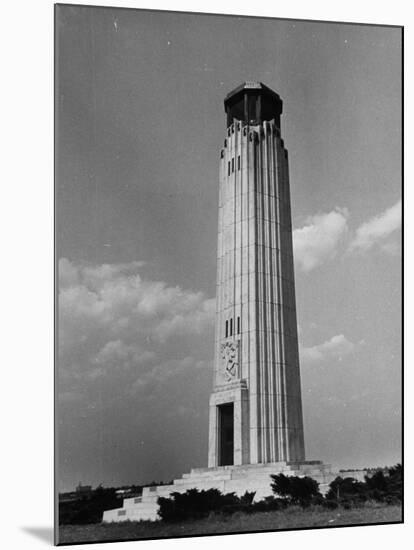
(256, 406)
(256, 425)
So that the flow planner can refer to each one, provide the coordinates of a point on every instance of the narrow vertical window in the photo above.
(229, 168)
(231, 327)
(238, 162)
(227, 328)
(238, 325)
(232, 164)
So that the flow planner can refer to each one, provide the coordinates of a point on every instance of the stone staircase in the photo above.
(228, 479)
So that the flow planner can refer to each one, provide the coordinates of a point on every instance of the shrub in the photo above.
(377, 483)
(380, 487)
(88, 509)
(386, 487)
(395, 482)
(296, 490)
(195, 504)
(248, 497)
(346, 489)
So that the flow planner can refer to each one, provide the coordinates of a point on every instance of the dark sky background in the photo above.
(140, 124)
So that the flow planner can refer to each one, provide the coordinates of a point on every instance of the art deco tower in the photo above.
(256, 406)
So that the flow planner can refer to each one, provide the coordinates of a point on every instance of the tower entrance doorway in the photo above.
(226, 434)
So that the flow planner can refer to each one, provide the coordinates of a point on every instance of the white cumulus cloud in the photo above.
(319, 239)
(335, 348)
(377, 229)
(111, 319)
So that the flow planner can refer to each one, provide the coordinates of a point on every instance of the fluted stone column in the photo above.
(256, 363)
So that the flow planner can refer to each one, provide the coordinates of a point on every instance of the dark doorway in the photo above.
(226, 437)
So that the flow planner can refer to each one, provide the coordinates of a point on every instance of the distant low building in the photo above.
(68, 497)
(121, 492)
(83, 489)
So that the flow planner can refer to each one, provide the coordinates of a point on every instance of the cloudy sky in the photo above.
(140, 124)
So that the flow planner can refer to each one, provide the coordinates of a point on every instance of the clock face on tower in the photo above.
(230, 360)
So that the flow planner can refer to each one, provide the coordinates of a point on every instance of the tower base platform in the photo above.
(228, 479)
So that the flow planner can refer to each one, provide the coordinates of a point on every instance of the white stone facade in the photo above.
(256, 309)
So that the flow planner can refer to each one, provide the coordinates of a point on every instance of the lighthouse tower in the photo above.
(256, 406)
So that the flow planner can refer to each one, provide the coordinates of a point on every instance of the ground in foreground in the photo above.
(291, 518)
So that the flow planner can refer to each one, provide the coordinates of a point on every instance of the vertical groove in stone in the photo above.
(280, 322)
(234, 193)
(262, 302)
(272, 456)
(256, 297)
(284, 419)
(273, 328)
(259, 309)
(265, 358)
(268, 287)
(251, 299)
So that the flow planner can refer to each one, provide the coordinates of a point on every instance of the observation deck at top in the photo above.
(252, 103)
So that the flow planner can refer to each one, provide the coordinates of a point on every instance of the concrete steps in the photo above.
(131, 502)
(142, 511)
(227, 479)
(225, 474)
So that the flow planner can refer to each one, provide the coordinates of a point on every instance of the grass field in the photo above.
(291, 518)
